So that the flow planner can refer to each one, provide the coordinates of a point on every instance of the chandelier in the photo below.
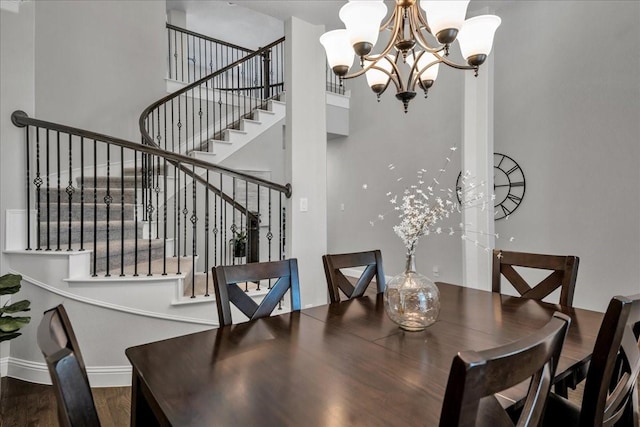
(416, 42)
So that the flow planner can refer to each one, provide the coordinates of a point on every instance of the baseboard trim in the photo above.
(37, 372)
(4, 363)
(115, 307)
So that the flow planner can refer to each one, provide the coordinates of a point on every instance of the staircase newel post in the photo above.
(266, 77)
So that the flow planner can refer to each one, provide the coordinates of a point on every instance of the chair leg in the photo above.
(561, 389)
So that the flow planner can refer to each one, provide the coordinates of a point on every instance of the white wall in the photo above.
(567, 105)
(99, 63)
(17, 40)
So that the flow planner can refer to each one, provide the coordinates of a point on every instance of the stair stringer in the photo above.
(219, 150)
(109, 315)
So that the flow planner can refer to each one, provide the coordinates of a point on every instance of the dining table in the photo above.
(340, 364)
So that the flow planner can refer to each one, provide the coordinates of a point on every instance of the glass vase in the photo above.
(411, 299)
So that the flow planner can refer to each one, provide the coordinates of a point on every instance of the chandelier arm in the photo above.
(374, 60)
(391, 19)
(392, 76)
(422, 41)
(415, 74)
(416, 30)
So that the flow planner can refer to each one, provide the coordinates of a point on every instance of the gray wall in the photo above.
(99, 63)
(382, 134)
(567, 105)
(264, 153)
(17, 39)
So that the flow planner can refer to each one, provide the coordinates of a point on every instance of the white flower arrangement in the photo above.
(423, 206)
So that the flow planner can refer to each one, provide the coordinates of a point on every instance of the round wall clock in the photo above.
(508, 185)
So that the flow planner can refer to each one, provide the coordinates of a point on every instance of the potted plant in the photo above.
(10, 325)
(239, 242)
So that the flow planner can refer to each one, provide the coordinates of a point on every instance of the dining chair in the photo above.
(227, 277)
(337, 281)
(59, 346)
(563, 274)
(611, 391)
(476, 377)
(564, 271)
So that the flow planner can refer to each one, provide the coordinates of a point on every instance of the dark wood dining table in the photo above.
(335, 365)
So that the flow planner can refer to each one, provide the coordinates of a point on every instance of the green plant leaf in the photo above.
(10, 284)
(16, 307)
(6, 336)
(11, 324)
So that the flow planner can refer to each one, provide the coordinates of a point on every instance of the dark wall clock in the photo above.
(508, 185)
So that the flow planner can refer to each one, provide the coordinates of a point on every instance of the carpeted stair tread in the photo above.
(116, 228)
(88, 211)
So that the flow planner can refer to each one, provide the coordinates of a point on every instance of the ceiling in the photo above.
(251, 23)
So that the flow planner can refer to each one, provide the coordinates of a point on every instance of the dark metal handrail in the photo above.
(192, 55)
(211, 39)
(22, 119)
(146, 112)
(122, 195)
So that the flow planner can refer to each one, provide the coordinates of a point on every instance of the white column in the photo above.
(306, 147)
(477, 158)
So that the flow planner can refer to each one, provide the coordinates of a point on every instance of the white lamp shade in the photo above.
(443, 15)
(339, 51)
(377, 77)
(427, 58)
(362, 19)
(476, 35)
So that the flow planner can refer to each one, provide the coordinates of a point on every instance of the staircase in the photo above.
(127, 233)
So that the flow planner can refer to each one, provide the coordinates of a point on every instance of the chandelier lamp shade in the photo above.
(418, 43)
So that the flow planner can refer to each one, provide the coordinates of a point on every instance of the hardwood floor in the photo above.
(27, 404)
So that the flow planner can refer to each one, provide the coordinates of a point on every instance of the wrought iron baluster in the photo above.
(223, 234)
(194, 232)
(164, 196)
(150, 209)
(38, 183)
(70, 190)
(135, 213)
(169, 50)
(157, 191)
(175, 169)
(28, 188)
(48, 197)
(108, 199)
(206, 235)
(177, 215)
(269, 233)
(122, 211)
(82, 193)
(58, 191)
(185, 211)
(95, 206)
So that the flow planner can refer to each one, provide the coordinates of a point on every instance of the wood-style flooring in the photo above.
(24, 404)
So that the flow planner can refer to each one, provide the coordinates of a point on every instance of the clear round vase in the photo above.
(411, 299)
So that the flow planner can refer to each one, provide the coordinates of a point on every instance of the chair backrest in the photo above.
(59, 346)
(226, 278)
(476, 376)
(337, 281)
(564, 271)
(610, 393)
